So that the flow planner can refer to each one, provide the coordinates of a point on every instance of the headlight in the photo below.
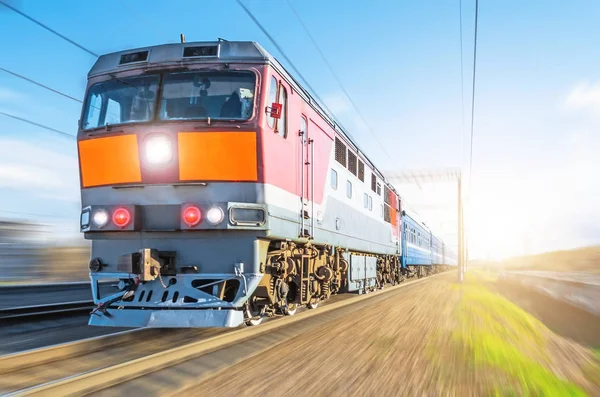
(158, 150)
(215, 215)
(100, 218)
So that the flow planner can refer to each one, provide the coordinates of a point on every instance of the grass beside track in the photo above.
(497, 335)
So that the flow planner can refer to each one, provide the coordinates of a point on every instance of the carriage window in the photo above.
(378, 188)
(348, 189)
(381, 210)
(373, 183)
(366, 200)
(281, 124)
(203, 95)
(370, 203)
(333, 179)
(272, 99)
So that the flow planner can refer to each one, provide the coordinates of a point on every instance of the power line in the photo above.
(338, 79)
(40, 84)
(38, 125)
(473, 93)
(278, 47)
(462, 89)
(3, 2)
(262, 28)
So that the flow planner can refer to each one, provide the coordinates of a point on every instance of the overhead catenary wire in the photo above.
(335, 75)
(473, 93)
(462, 89)
(3, 2)
(38, 125)
(472, 114)
(289, 61)
(41, 85)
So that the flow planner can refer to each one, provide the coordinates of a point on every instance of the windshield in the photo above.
(199, 95)
(120, 101)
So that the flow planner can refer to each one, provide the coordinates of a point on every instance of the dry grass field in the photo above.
(580, 260)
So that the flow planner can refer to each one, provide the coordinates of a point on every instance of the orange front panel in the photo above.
(110, 160)
(393, 216)
(217, 156)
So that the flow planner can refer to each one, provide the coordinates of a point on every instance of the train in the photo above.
(217, 192)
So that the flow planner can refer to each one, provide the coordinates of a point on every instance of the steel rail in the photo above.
(30, 358)
(557, 277)
(23, 312)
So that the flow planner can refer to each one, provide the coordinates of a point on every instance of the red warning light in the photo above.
(191, 215)
(121, 217)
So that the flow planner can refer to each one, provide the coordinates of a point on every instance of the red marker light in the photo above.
(121, 217)
(191, 215)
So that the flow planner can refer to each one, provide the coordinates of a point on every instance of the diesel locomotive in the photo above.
(216, 192)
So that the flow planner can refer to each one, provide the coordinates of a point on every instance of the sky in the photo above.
(536, 168)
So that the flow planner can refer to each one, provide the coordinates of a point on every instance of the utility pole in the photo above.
(461, 269)
(441, 175)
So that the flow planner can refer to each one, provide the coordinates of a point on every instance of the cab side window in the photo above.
(272, 99)
(281, 124)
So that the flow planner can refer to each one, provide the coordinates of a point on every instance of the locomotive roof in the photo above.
(222, 51)
(226, 51)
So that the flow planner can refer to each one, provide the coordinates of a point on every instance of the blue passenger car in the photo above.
(422, 251)
(416, 242)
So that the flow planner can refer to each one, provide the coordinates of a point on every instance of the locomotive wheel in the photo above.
(253, 315)
(313, 304)
(290, 309)
(254, 321)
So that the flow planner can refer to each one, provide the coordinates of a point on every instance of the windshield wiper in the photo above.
(209, 120)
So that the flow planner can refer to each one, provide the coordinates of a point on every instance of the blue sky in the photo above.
(537, 103)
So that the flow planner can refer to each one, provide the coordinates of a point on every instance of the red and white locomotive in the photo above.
(216, 191)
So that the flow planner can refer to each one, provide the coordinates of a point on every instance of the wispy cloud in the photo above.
(337, 103)
(10, 95)
(345, 113)
(44, 171)
(585, 96)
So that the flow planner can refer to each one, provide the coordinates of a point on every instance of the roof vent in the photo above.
(204, 51)
(134, 57)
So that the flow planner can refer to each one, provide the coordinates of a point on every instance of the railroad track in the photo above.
(116, 361)
(577, 291)
(37, 311)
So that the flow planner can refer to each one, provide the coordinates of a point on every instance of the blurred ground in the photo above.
(439, 338)
(43, 264)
